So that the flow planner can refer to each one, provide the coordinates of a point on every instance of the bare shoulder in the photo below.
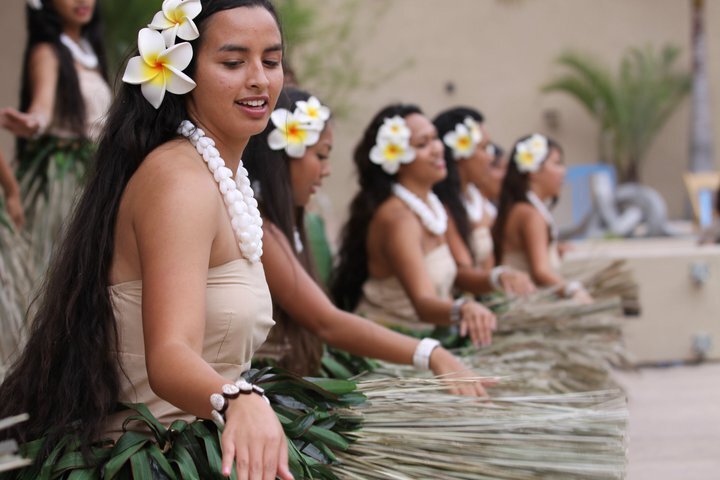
(173, 176)
(523, 212)
(42, 53)
(393, 216)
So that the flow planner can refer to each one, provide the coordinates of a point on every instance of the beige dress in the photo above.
(385, 301)
(519, 260)
(238, 317)
(481, 244)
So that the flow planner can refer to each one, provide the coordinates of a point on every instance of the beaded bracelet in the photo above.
(572, 288)
(456, 310)
(495, 274)
(230, 391)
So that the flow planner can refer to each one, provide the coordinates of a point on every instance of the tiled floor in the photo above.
(674, 423)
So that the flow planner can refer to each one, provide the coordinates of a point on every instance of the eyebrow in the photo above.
(243, 49)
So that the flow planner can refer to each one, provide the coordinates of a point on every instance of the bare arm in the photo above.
(296, 292)
(534, 235)
(469, 277)
(43, 76)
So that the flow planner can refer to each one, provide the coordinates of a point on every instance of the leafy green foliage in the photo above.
(121, 22)
(630, 107)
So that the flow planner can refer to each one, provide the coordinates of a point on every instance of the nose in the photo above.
(257, 78)
(326, 170)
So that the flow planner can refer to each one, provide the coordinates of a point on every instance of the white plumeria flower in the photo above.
(176, 20)
(475, 130)
(530, 153)
(158, 69)
(394, 128)
(291, 133)
(35, 4)
(390, 153)
(460, 141)
(312, 111)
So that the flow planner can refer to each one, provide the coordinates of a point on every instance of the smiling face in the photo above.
(238, 72)
(75, 13)
(307, 173)
(428, 168)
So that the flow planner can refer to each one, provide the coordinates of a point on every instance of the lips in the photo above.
(83, 11)
(254, 107)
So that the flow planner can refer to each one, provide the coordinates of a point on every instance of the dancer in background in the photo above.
(468, 158)
(395, 265)
(64, 97)
(525, 233)
(11, 192)
(287, 163)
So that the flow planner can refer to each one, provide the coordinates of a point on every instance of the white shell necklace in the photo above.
(543, 209)
(474, 203)
(433, 217)
(238, 194)
(82, 53)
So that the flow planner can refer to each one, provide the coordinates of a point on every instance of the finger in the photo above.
(480, 390)
(228, 455)
(463, 328)
(493, 322)
(475, 333)
(283, 468)
(270, 463)
(255, 461)
(242, 463)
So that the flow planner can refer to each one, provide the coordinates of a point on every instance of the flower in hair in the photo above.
(176, 20)
(394, 128)
(35, 4)
(475, 131)
(159, 69)
(312, 111)
(460, 141)
(292, 134)
(392, 145)
(530, 153)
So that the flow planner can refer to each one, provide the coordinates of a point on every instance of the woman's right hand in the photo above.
(516, 283)
(254, 441)
(20, 124)
(446, 365)
(478, 322)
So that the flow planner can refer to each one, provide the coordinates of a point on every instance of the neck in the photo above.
(464, 182)
(421, 191)
(540, 194)
(73, 31)
(230, 151)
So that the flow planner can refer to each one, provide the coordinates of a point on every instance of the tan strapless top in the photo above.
(238, 317)
(97, 97)
(481, 243)
(519, 261)
(385, 301)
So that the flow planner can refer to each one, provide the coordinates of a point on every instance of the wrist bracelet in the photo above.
(421, 357)
(456, 309)
(495, 276)
(230, 391)
(572, 288)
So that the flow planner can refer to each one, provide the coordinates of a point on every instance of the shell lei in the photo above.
(433, 217)
(238, 194)
(474, 204)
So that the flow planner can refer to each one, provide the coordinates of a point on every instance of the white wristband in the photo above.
(421, 357)
(495, 276)
(572, 288)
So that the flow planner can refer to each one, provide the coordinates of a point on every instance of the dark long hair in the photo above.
(67, 377)
(449, 190)
(375, 187)
(45, 26)
(270, 172)
(514, 190)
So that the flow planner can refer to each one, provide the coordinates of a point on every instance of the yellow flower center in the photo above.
(295, 133)
(464, 143)
(313, 112)
(526, 158)
(392, 152)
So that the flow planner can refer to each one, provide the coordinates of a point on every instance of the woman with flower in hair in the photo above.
(157, 295)
(63, 100)
(525, 233)
(288, 163)
(468, 156)
(395, 265)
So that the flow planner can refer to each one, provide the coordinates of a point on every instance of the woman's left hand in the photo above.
(444, 364)
(514, 282)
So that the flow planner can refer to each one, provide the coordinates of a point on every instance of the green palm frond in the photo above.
(630, 107)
